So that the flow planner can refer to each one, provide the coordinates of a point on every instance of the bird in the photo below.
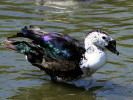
(62, 57)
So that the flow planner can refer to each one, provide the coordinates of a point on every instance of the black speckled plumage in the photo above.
(57, 54)
(100, 31)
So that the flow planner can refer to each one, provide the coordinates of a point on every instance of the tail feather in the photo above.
(20, 46)
(33, 54)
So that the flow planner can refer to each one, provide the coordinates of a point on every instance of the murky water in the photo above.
(19, 80)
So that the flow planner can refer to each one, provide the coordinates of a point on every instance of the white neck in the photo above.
(93, 59)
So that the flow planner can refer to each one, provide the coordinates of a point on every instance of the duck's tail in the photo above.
(27, 48)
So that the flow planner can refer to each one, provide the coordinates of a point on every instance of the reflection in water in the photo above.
(55, 91)
(52, 2)
(60, 2)
(72, 91)
(20, 80)
(59, 6)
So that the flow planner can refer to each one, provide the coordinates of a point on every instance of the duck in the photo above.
(62, 57)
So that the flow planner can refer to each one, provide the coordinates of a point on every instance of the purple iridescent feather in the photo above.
(55, 44)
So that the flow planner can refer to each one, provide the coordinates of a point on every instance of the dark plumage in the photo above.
(56, 54)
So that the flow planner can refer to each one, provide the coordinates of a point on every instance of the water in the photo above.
(19, 80)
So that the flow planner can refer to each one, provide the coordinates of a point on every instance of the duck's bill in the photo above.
(112, 46)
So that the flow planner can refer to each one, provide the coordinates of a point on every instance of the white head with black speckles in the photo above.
(97, 37)
(95, 56)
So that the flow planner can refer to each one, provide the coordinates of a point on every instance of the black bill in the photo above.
(112, 46)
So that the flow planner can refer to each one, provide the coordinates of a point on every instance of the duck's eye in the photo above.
(104, 37)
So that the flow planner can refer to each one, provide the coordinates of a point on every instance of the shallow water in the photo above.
(20, 80)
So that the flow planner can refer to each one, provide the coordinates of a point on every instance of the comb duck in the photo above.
(63, 57)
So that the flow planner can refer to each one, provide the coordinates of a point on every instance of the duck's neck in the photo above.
(93, 59)
(91, 48)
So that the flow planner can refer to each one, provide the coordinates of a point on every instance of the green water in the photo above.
(19, 80)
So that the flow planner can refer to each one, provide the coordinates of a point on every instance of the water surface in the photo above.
(20, 80)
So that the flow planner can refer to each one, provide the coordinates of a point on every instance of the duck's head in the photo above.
(102, 39)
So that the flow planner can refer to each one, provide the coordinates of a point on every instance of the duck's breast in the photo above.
(93, 61)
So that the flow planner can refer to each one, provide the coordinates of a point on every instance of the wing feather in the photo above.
(55, 51)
